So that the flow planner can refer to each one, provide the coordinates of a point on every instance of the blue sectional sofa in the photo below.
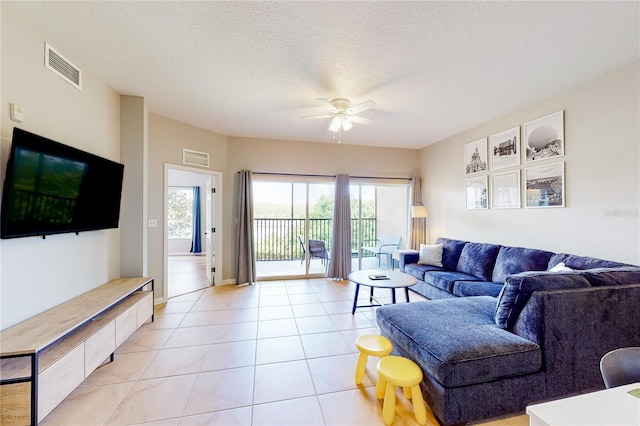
(510, 326)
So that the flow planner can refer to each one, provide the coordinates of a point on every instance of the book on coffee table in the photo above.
(378, 277)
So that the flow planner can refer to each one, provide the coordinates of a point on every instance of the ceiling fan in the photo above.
(342, 114)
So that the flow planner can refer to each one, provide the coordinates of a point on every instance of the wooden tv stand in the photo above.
(44, 358)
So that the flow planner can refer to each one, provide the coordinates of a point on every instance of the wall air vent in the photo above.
(195, 158)
(58, 64)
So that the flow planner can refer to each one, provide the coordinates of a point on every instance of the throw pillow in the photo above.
(560, 267)
(478, 259)
(431, 255)
(518, 289)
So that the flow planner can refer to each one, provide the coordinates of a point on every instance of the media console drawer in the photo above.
(99, 346)
(59, 380)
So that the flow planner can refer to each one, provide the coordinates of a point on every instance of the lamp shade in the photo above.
(419, 212)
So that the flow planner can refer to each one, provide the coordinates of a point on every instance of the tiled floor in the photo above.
(275, 353)
(185, 274)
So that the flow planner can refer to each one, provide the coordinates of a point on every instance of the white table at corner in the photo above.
(395, 255)
(608, 407)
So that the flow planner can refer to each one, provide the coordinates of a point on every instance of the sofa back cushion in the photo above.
(582, 262)
(478, 259)
(450, 252)
(513, 260)
(600, 277)
(518, 288)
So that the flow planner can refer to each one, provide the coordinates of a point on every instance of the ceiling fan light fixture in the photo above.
(336, 123)
(346, 124)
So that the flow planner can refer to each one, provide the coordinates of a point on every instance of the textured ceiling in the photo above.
(251, 69)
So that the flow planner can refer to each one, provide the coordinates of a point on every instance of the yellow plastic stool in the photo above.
(398, 371)
(370, 344)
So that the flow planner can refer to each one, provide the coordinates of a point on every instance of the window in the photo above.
(180, 206)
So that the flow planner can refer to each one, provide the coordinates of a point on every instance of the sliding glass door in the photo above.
(292, 227)
(293, 223)
(376, 209)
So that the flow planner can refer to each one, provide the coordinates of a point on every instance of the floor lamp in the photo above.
(421, 212)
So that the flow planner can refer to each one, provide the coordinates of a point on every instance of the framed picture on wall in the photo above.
(504, 149)
(475, 157)
(544, 137)
(505, 190)
(476, 193)
(545, 185)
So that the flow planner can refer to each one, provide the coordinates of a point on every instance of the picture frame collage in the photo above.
(503, 154)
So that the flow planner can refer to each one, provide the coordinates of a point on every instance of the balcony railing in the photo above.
(277, 239)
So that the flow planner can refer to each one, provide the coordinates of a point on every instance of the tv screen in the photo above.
(52, 188)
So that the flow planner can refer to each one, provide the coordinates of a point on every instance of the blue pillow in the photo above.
(478, 259)
(518, 288)
(450, 252)
(513, 260)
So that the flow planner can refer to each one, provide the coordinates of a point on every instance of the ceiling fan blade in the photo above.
(328, 104)
(360, 120)
(318, 116)
(355, 109)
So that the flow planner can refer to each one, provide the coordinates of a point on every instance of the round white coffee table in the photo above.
(393, 280)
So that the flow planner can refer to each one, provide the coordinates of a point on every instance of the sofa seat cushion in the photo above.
(518, 289)
(513, 260)
(599, 277)
(476, 288)
(444, 279)
(416, 270)
(456, 341)
(478, 259)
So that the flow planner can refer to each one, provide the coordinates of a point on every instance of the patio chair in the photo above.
(318, 250)
(384, 245)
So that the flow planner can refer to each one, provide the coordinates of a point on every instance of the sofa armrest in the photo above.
(408, 258)
(575, 328)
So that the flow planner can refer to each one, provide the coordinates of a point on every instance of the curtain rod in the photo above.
(329, 176)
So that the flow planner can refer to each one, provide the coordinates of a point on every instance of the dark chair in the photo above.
(302, 247)
(318, 250)
(621, 367)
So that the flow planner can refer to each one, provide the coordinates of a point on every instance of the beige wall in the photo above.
(602, 179)
(36, 273)
(270, 156)
(167, 138)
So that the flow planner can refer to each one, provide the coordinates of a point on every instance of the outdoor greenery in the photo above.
(278, 226)
(179, 201)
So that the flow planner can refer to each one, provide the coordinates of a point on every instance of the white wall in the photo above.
(36, 274)
(602, 179)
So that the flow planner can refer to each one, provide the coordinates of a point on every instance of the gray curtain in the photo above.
(340, 257)
(418, 228)
(245, 262)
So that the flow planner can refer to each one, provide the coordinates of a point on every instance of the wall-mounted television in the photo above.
(51, 188)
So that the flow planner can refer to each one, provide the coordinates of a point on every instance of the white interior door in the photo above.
(208, 234)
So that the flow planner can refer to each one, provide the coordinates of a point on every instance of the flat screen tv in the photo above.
(52, 188)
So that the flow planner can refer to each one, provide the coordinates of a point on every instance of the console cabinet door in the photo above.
(99, 346)
(126, 324)
(59, 379)
(145, 308)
